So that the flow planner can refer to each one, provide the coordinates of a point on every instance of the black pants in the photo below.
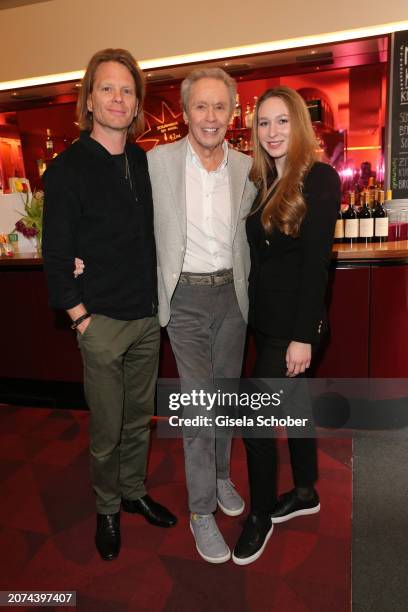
(261, 452)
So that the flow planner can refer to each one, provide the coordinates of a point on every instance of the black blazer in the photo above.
(288, 277)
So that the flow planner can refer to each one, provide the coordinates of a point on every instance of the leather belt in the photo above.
(212, 279)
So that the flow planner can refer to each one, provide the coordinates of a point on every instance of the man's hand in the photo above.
(79, 268)
(82, 326)
(79, 310)
(75, 313)
(298, 356)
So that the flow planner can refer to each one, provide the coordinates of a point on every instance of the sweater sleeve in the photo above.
(323, 196)
(62, 212)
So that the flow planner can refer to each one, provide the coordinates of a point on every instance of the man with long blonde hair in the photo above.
(98, 206)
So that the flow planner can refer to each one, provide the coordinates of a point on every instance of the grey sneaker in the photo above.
(228, 498)
(209, 541)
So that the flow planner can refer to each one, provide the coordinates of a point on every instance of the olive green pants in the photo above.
(120, 361)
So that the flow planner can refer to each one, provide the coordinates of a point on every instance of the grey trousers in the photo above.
(120, 361)
(207, 335)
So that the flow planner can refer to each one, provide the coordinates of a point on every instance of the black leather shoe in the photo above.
(154, 513)
(107, 537)
(289, 505)
(253, 539)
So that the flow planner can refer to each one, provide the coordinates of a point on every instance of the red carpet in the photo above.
(47, 525)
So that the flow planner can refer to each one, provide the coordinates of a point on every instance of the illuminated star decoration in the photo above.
(162, 130)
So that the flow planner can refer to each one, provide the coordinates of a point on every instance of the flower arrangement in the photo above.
(30, 224)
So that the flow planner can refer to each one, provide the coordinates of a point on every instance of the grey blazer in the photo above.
(167, 172)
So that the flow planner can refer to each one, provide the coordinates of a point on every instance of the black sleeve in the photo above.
(322, 193)
(62, 212)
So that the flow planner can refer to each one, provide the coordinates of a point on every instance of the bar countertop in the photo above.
(397, 250)
(21, 259)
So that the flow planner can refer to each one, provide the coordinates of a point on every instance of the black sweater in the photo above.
(91, 212)
(288, 277)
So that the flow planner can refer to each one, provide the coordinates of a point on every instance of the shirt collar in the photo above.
(193, 157)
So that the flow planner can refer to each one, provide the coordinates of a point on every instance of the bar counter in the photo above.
(21, 260)
(397, 250)
(367, 303)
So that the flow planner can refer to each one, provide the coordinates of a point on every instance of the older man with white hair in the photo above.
(201, 195)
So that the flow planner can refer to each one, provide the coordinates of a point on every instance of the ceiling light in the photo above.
(265, 47)
(278, 45)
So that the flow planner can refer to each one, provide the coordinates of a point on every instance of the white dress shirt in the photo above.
(208, 207)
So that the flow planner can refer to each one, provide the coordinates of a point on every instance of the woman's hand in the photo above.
(298, 356)
(79, 267)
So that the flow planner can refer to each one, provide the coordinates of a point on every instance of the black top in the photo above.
(91, 212)
(288, 277)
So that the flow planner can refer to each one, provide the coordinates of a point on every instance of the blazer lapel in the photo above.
(175, 162)
(237, 173)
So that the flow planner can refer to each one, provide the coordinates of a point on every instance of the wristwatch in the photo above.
(79, 321)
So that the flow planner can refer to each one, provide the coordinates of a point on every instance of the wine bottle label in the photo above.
(339, 229)
(381, 227)
(351, 228)
(366, 228)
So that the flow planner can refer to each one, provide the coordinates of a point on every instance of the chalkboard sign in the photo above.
(399, 117)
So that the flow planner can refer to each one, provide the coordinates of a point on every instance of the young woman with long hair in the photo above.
(290, 232)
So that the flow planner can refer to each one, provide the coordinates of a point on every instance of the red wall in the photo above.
(356, 97)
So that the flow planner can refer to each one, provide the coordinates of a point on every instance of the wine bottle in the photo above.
(237, 113)
(366, 220)
(357, 196)
(380, 220)
(374, 200)
(248, 116)
(49, 144)
(339, 228)
(350, 221)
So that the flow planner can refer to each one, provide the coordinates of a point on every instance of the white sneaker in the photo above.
(228, 498)
(210, 544)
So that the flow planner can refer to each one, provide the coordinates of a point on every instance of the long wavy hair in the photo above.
(85, 117)
(282, 204)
